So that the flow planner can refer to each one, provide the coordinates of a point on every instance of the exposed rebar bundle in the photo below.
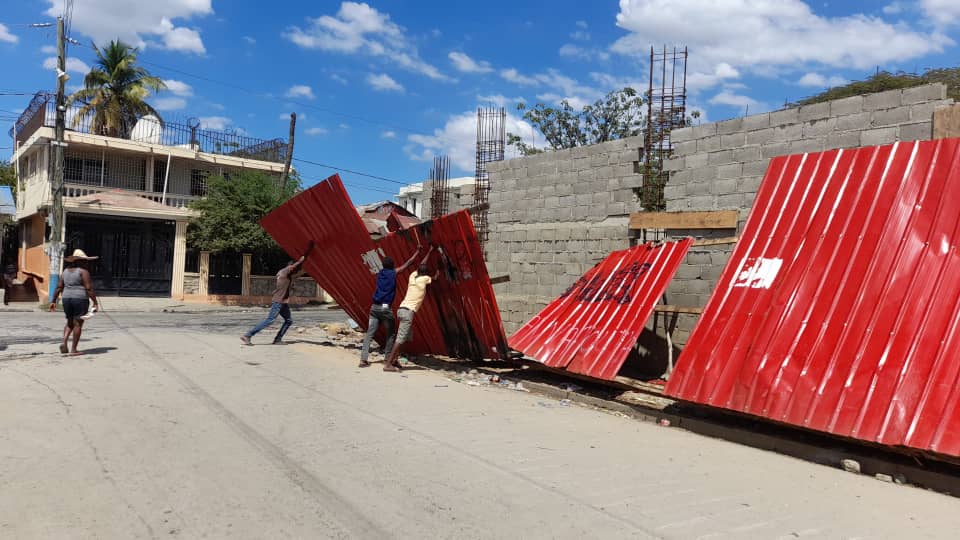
(491, 142)
(440, 194)
(666, 110)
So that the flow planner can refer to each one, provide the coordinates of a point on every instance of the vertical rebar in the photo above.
(491, 143)
(666, 110)
(440, 194)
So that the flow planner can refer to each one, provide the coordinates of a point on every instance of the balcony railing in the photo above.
(172, 200)
(189, 134)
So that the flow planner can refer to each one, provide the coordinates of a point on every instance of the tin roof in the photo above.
(459, 317)
(591, 327)
(838, 310)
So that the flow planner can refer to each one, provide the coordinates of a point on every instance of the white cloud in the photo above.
(338, 78)
(169, 104)
(298, 91)
(457, 139)
(468, 65)
(514, 76)
(942, 12)
(581, 24)
(6, 35)
(894, 8)
(384, 83)
(556, 87)
(722, 72)
(344, 126)
(761, 34)
(74, 65)
(217, 106)
(316, 131)
(358, 28)
(609, 83)
(819, 81)
(48, 49)
(499, 100)
(179, 88)
(250, 40)
(104, 20)
(732, 99)
(215, 122)
(389, 135)
(570, 50)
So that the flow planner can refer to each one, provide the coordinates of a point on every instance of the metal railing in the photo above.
(172, 200)
(187, 134)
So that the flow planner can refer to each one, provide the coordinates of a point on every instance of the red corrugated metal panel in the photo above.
(591, 328)
(460, 316)
(838, 310)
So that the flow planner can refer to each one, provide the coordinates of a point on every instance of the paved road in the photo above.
(167, 431)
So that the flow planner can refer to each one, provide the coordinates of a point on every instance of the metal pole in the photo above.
(55, 250)
(166, 176)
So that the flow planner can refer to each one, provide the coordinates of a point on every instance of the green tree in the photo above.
(229, 216)
(884, 80)
(8, 176)
(617, 115)
(114, 93)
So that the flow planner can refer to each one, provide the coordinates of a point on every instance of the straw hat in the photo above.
(79, 255)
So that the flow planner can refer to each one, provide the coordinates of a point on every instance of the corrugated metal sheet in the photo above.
(838, 310)
(591, 327)
(460, 316)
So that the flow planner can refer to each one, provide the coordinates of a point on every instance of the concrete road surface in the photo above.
(166, 430)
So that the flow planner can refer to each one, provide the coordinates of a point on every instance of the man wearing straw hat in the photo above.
(76, 288)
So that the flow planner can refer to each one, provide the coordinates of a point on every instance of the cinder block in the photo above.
(755, 168)
(844, 139)
(882, 100)
(699, 188)
(708, 144)
(733, 140)
(673, 192)
(621, 208)
(730, 200)
(845, 106)
(695, 160)
(927, 92)
(878, 136)
(674, 164)
(923, 112)
(721, 157)
(749, 184)
(920, 131)
(756, 121)
(724, 186)
(789, 132)
(682, 134)
(854, 121)
(814, 111)
(730, 170)
(727, 127)
(819, 128)
(687, 271)
(705, 174)
(761, 136)
(699, 287)
(749, 153)
(681, 177)
(806, 145)
(685, 148)
(768, 151)
(784, 117)
(890, 117)
(703, 130)
(702, 202)
(697, 258)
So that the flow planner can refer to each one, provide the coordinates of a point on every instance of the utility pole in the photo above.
(289, 157)
(56, 227)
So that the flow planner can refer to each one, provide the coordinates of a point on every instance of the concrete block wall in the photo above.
(553, 216)
(719, 166)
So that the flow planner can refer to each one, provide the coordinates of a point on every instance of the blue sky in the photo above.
(382, 86)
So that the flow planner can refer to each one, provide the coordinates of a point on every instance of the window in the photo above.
(79, 170)
(159, 174)
(198, 182)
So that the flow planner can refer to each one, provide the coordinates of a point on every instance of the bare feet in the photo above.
(64, 349)
(245, 340)
(76, 353)
(391, 367)
(364, 363)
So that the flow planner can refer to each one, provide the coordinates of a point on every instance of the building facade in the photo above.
(125, 200)
(416, 197)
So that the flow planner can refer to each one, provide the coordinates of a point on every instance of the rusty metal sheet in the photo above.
(591, 327)
(459, 317)
(838, 309)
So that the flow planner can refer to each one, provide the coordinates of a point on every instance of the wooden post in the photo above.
(245, 283)
(204, 273)
(286, 163)
(946, 122)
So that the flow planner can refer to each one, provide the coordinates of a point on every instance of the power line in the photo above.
(334, 167)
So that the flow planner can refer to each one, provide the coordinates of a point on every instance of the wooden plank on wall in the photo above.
(719, 219)
(946, 122)
(716, 241)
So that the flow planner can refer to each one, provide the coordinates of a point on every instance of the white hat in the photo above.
(79, 255)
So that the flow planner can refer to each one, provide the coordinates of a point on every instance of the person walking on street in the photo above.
(76, 289)
(381, 311)
(416, 292)
(281, 296)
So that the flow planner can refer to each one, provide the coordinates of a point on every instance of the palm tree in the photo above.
(115, 91)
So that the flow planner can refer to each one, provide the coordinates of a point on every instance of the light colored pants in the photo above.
(405, 329)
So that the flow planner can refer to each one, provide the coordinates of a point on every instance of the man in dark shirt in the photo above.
(281, 296)
(380, 311)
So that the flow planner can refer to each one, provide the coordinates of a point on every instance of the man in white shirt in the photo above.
(416, 292)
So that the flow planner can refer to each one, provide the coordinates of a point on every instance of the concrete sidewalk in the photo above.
(116, 304)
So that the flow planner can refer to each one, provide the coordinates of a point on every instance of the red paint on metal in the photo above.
(591, 328)
(397, 222)
(838, 308)
(459, 317)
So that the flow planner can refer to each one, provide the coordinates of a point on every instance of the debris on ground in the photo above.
(851, 465)
(475, 378)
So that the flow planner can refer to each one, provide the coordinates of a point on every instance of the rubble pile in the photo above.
(341, 335)
(475, 378)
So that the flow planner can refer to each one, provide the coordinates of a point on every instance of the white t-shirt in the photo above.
(416, 291)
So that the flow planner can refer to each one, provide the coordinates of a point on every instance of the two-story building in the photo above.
(125, 200)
